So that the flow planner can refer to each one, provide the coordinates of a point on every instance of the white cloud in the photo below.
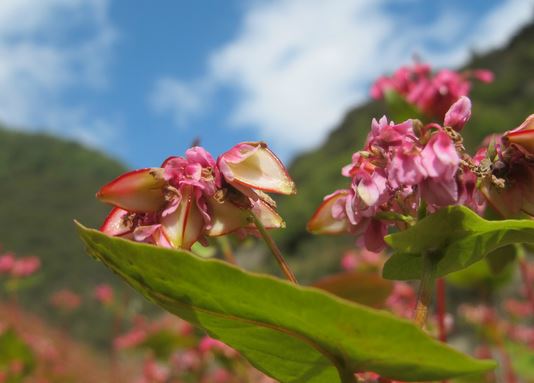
(182, 100)
(298, 65)
(40, 65)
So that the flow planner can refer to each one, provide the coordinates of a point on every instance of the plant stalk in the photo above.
(426, 287)
(441, 308)
(226, 249)
(274, 249)
(527, 281)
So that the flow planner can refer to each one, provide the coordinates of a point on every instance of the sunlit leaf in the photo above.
(292, 333)
(456, 236)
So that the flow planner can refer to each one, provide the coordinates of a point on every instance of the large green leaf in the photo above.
(292, 333)
(456, 236)
(365, 287)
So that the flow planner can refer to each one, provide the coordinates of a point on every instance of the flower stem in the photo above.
(274, 249)
(441, 308)
(527, 281)
(226, 249)
(426, 286)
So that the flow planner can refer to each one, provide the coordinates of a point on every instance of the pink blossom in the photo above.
(188, 360)
(24, 267)
(104, 293)
(154, 372)
(7, 261)
(130, 339)
(385, 134)
(65, 300)
(349, 261)
(432, 94)
(220, 375)
(208, 344)
(191, 197)
(406, 167)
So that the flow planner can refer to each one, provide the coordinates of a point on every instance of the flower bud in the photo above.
(458, 114)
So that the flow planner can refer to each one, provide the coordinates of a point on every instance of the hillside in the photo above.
(45, 183)
(499, 106)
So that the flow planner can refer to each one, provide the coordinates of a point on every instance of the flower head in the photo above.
(400, 166)
(191, 197)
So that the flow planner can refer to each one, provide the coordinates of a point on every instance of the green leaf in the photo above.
(522, 358)
(399, 109)
(366, 288)
(164, 342)
(457, 235)
(292, 333)
(13, 349)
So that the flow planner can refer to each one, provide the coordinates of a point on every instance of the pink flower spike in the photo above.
(116, 223)
(253, 165)
(324, 220)
(458, 114)
(138, 191)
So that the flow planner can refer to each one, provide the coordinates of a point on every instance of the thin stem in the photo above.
(226, 249)
(527, 281)
(274, 249)
(426, 286)
(441, 308)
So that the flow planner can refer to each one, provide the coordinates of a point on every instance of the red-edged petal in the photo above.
(139, 191)
(522, 138)
(185, 225)
(116, 223)
(323, 222)
(252, 164)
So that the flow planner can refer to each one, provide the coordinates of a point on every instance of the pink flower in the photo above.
(349, 261)
(24, 267)
(433, 95)
(131, 339)
(104, 293)
(65, 300)
(208, 344)
(406, 167)
(385, 134)
(7, 261)
(194, 196)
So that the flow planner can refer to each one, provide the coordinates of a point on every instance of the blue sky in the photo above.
(141, 80)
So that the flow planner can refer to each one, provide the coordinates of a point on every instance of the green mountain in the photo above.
(45, 183)
(497, 107)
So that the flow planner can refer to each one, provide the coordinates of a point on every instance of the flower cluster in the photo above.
(18, 267)
(191, 197)
(432, 94)
(401, 168)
